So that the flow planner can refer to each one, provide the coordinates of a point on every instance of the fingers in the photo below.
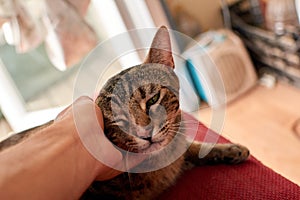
(62, 114)
(85, 112)
(88, 120)
(89, 125)
(67, 110)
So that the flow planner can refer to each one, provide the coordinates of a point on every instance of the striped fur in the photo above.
(141, 113)
(123, 103)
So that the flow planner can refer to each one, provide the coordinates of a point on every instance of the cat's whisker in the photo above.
(187, 122)
(190, 123)
(180, 131)
(184, 124)
(127, 169)
(177, 132)
(183, 127)
(182, 118)
(188, 128)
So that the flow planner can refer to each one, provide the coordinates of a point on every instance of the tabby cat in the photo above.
(141, 111)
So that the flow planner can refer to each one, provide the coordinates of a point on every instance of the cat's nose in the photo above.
(145, 133)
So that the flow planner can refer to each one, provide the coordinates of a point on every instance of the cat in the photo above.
(141, 113)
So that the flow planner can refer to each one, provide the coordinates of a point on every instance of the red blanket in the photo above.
(250, 180)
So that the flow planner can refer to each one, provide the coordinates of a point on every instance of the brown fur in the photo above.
(128, 121)
(160, 51)
(141, 114)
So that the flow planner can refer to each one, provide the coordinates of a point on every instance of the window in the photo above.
(34, 92)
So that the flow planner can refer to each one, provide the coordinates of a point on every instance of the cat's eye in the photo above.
(153, 100)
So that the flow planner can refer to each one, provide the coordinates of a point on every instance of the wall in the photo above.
(206, 12)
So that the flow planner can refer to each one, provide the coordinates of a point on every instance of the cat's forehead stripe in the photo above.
(142, 92)
(153, 88)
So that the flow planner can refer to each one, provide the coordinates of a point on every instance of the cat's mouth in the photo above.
(153, 148)
(159, 139)
(150, 145)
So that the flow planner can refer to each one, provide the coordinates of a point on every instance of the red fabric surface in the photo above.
(249, 180)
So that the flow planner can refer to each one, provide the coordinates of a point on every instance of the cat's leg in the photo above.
(204, 153)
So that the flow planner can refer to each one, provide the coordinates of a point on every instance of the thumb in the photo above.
(89, 124)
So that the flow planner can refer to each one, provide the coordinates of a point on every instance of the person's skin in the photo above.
(53, 163)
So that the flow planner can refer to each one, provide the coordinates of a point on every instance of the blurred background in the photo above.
(244, 57)
(44, 42)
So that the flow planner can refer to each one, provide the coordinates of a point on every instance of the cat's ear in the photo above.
(160, 51)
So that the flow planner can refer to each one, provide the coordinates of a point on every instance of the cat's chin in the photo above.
(154, 147)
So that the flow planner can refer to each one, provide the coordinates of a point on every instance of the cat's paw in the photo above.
(217, 153)
(234, 153)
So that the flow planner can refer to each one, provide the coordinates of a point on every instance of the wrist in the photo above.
(85, 159)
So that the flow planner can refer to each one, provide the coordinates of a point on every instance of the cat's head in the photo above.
(140, 105)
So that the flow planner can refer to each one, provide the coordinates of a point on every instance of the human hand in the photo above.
(61, 159)
(86, 120)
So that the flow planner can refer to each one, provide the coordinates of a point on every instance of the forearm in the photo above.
(52, 164)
